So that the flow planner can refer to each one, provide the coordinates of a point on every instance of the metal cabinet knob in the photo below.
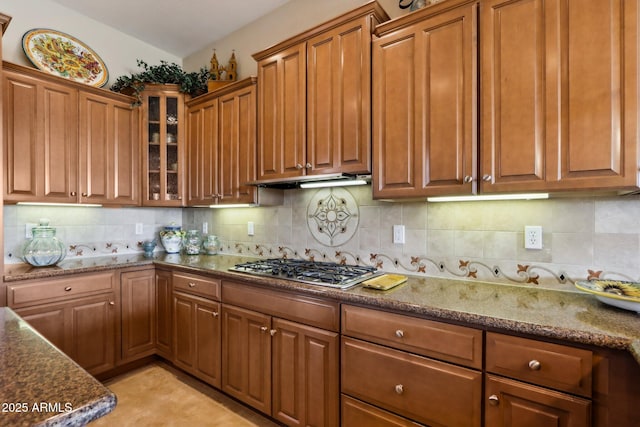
(467, 179)
(215, 314)
(192, 285)
(298, 166)
(487, 178)
(74, 194)
(84, 194)
(112, 303)
(308, 166)
(534, 365)
(494, 400)
(263, 328)
(399, 389)
(67, 288)
(400, 333)
(273, 332)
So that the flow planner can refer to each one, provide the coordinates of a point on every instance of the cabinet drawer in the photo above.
(550, 365)
(197, 285)
(451, 343)
(307, 310)
(45, 291)
(357, 414)
(422, 389)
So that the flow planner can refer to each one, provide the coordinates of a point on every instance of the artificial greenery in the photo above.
(194, 83)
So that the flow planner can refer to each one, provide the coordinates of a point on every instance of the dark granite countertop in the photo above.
(41, 386)
(563, 315)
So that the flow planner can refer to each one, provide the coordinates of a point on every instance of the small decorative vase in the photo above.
(44, 248)
(211, 245)
(192, 242)
(171, 238)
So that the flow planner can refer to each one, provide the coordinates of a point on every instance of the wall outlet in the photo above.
(205, 228)
(398, 234)
(28, 229)
(250, 229)
(532, 237)
(139, 228)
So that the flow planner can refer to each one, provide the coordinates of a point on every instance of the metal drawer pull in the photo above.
(534, 365)
(494, 400)
(263, 328)
(273, 332)
(400, 333)
(215, 314)
(399, 389)
(192, 285)
(67, 288)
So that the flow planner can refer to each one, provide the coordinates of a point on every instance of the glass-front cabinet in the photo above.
(163, 131)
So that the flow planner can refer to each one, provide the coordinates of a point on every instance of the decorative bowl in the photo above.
(616, 293)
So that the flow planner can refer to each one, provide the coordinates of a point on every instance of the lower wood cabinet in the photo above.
(358, 413)
(78, 314)
(164, 314)
(138, 296)
(196, 327)
(284, 368)
(514, 403)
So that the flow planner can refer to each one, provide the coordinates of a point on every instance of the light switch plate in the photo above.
(398, 234)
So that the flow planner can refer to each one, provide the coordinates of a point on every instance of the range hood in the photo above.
(336, 179)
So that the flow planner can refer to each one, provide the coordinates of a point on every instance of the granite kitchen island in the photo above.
(40, 385)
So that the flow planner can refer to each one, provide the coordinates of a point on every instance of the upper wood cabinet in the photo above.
(558, 110)
(163, 154)
(424, 97)
(66, 142)
(560, 104)
(314, 99)
(222, 145)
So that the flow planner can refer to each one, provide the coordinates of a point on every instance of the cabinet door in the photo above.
(246, 356)
(163, 314)
(339, 99)
(183, 333)
(109, 151)
(237, 163)
(305, 375)
(40, 121)
(207, 362)
(511, 403)
(424, 97)
(93, 331)
(138, 299)
(51, 322)
(163, 135)
(202, 149)
(282, 114)
(554, 112)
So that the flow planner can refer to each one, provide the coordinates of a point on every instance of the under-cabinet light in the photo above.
(483, 197)
(238, 205)
(339, 183)
(66, 205)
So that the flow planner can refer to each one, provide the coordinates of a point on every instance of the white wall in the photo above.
(293, 18)
(118, 50)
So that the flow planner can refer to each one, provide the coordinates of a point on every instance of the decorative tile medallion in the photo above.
(332, 216)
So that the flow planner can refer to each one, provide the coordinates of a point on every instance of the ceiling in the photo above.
(179, 27)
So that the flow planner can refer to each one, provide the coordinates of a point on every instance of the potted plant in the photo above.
(194, 83)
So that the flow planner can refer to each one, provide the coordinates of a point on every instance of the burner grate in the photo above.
(318, 273)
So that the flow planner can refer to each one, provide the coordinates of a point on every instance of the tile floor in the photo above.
(160, 395)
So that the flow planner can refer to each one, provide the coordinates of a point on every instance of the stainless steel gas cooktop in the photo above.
(341, 276)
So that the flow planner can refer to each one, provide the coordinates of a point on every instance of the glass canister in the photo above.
(211, 245)
(171, 238)
(44, 248)
(192, 242)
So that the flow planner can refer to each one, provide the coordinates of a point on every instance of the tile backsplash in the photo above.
(582, 237)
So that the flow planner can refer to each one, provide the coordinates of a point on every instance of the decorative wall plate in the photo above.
(613, 292)
(63, 55)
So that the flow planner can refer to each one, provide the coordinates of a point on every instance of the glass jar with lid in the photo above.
(211, 245)
(44, 248)
(192, 242)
